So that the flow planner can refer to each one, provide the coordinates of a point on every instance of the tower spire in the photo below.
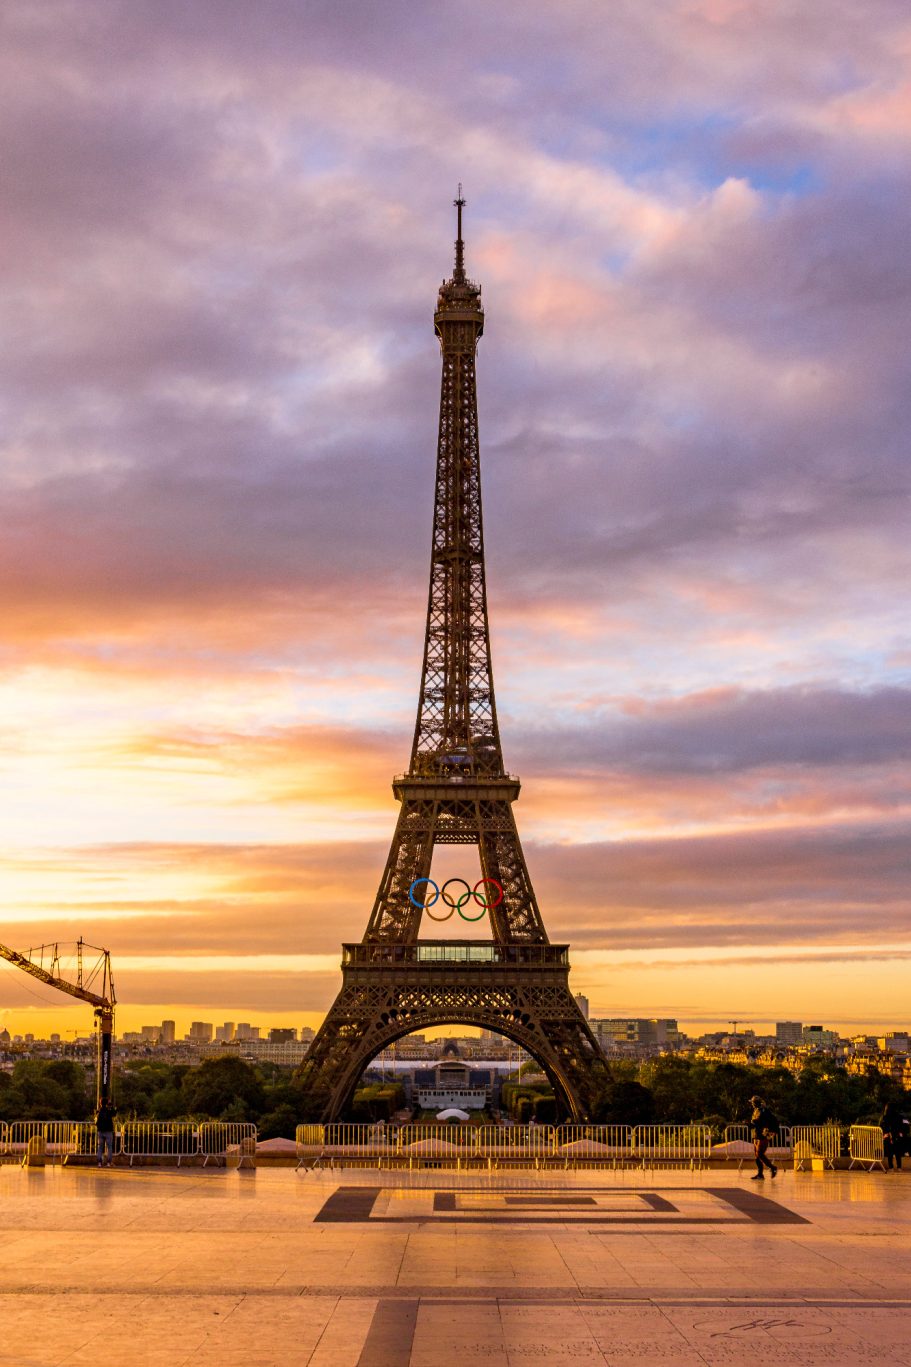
(459, 273)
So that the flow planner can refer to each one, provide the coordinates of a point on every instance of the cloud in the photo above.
(225, 233)
(730, 730)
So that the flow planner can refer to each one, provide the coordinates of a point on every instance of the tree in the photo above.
(278, 1124)
(627, 1103)
(218, 1083)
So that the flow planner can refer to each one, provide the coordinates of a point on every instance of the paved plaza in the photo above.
(423, 1269)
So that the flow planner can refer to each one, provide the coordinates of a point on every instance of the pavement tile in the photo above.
(149, 1267)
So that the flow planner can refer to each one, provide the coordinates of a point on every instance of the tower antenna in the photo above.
(459, 274)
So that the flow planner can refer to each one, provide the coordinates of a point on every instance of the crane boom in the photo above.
(103, 1002)
(75, 990)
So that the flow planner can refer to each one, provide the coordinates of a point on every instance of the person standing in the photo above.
(104, 1127)
(764, 1128)
(892, 1124)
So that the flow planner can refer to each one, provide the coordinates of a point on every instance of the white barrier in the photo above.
(819, 1142)
(672, 1144)
(228, 1139)
(159, 1139)
(865, 1145)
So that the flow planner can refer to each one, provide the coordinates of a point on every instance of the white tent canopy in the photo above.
(452, 1113)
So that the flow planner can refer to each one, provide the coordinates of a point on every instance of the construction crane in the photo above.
(739, 1022)
(96, 974)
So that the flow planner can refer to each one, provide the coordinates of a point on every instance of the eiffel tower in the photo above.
(456, 792)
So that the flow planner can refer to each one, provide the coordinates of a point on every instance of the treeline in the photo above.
(526, 1101)
(670, 1089)
(217, 1089)
(674, 1089)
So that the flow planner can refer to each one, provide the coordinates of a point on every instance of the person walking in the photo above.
(764, 1128)
(104, 1127)
(892, 1124)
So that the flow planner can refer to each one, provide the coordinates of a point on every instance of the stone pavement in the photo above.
(395, 1269)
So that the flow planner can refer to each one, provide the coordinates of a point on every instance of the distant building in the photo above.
(246, 1031)
(451, 1083)
(894, 1042)
(282, 1035)
(818, 1035)
(616, 1032)
(167, 1033)
(788, 1032)
(582, 1003)
(201, 1032)
(225, 1033)
(149, 1033)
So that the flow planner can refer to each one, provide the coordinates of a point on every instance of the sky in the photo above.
(223, 228)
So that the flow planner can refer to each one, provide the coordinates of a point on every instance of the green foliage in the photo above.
(520, 1098)
(223, 1088)
(627, 1102)
(39, 1090)
(278, 1124)
(545, 1110)
(671, 1089)
(377, 1101)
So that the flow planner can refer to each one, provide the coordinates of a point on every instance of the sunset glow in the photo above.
(225, 228)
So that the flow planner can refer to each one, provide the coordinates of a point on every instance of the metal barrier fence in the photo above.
(865, 1145)
(819, 1142)
(672, 1144)
(511, 1142)
(221, 1139)
(59, 1140)
(159, 1139)
(572, 1144)
(594, 1143)
(49, 1141)
(741, 1133)
(584, 1145)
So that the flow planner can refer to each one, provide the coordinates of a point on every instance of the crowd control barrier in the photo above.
(865, 1146)
(469, 1145)
(54, 1141)
(224, 1140)
(589, 1144)
(515, 1143)
(821, 1143)
(738, 1143)
(653, 1144)
(158, 1139)
(741, 1133)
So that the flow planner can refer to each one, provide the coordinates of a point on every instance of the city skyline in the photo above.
(217, 484)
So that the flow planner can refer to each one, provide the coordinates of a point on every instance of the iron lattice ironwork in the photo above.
(456, 792)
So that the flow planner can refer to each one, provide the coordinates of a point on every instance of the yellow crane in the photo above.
(43, 963)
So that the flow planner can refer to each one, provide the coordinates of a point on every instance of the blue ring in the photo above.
(423, 905)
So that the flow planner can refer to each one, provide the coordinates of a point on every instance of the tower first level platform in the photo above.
(517, 990)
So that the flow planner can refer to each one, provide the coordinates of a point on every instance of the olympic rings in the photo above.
(456, 904)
